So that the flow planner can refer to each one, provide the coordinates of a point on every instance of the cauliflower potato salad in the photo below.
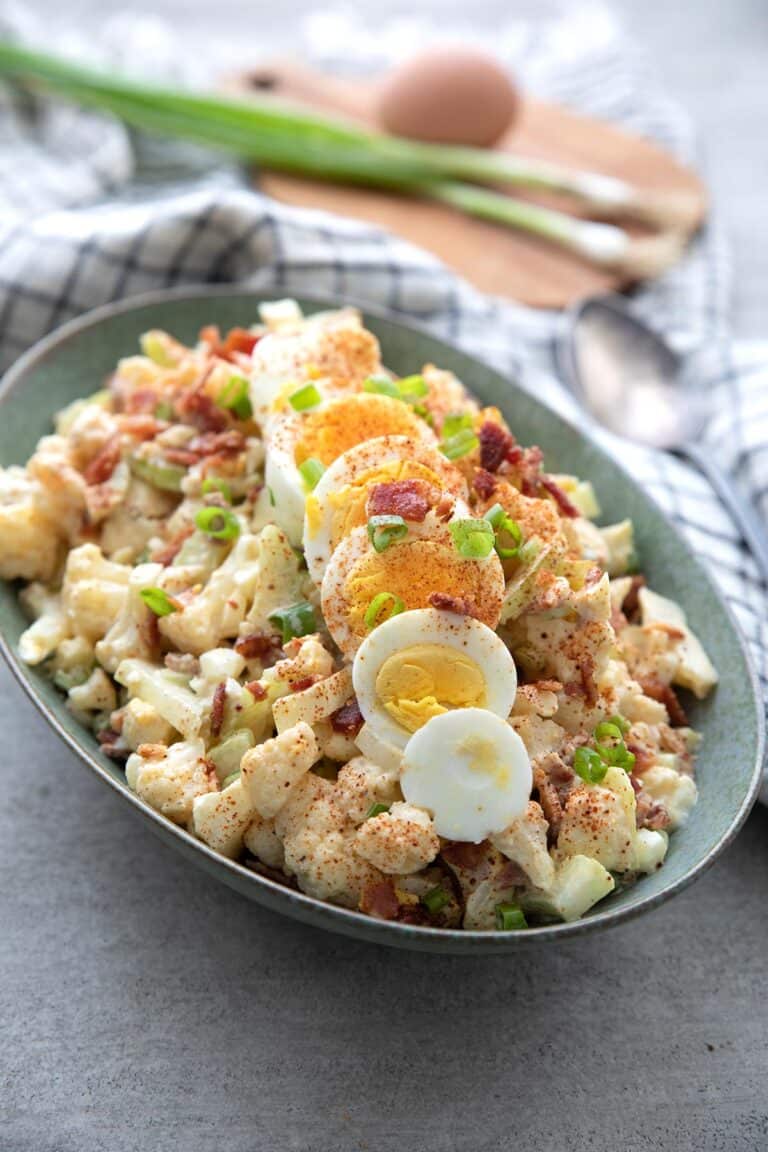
(343, 628)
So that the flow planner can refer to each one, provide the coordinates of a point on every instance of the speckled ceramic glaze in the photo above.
(73, 363)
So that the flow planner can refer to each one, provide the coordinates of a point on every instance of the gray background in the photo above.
(143, 1006)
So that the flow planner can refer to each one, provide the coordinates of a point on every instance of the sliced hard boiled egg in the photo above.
(339, 502)
(425, 663)
(321, 435)
(470, 770)
(403, 577)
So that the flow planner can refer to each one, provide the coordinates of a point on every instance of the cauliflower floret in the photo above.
(94, 591)
(579, 883)
(600, 822)
(50, 627)
(677, 792)
(694, 668)
(88, 431)
(586, 539)
(270, 770)
(97, 694)
(379, 751)
(525, 842)
(306, 656)
(169, 779)
(73, 662)
(63, 489)
(30, 544)
(361, 783)
(400, 841)
(314, 703)
(280, 580)
(143, 724)
(334, 745)
(132, 634)
(221, 818)
(539, 736)
(139, 516)
(262, 841)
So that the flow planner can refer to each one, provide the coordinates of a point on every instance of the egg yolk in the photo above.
(427, 680)
(342, 424)
(484, 758)
(349, 502)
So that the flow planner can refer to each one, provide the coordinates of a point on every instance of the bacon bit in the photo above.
(566, 507)
(254, 492)
(103, 465)
(466, 856)
(461, 605)
(549, 799)
(142, 400)
(587, 673)
(150, 626)
(303, 684)
(526, 462)
(406, 498)
(445, 506)
(256, 644)
(237, 340)
(107, 736)
(183, 662)
(257, 690)
(180, 456)
(348, 720)
(511, 875)
(168, 554)
(668, 629)
(380, 900)
(225, 443)
(495, 444)
(631, 603)
(140, 427)
(217, 708)
(197, 408)
(645, 756)
(484, 484)
(649, 813)
(152, 751)
(666, 695)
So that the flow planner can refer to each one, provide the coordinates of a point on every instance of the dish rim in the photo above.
(279, 897)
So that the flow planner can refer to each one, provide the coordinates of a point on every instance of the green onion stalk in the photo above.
(299, 141)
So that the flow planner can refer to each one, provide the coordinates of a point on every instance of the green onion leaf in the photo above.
(589, 765)
(456, 422)
(311, 470)
(380, 603)
(218, 523)
(622, 724)
(473, 538)
(515, 532)
(164, 411)
(607, 731)
(384, 530)
(166, 477)
(464, 442)
(382, 386)
(509, 918)
(295, 620)
(435, 899)
(234, 397)
(216, 484)
(409, 389)
(158, 601)
(412, 386)
(376, 810)
(305, 398)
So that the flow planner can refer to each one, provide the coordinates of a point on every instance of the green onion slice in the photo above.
(311, 470)
(218, 523)
(589, 765)
(376, 810)
(454, 447)
(456, 422)
(435, 899)
(473, 538)
(415, 386)
(409, 389)
(158, 601)
(216, 484)
(305, 398)
(384, 530)
(384, 601)
(382, 386)
(295, 620)
(622, 724)
(234, 397)
(509, 918)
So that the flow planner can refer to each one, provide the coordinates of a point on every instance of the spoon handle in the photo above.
(742, 510)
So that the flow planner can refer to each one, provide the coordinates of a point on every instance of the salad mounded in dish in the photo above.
(344, 628)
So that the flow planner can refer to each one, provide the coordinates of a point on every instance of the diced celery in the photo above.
(167, 692)
(227, 755)
(158, 473)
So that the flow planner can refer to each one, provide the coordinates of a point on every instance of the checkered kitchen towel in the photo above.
(90, 214)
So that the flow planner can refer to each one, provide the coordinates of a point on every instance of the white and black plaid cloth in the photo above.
(90, 214)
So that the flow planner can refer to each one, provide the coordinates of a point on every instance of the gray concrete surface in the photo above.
(143, 1006)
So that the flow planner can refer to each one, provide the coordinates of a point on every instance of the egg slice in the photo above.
(338, 503)
(470, 770)
(324, 434)
(424, 663)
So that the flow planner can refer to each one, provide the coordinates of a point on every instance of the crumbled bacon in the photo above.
(256, 644)
(224, 443)
(588, 682)
(666, 695)
(348, 720)
(495, 444)
(631, 603)
(140, 427)
(461, 605)
(302, 684)
(217, 708)
(142, 400)
(109, 740)
(237, 340)
(169, 553)
(196, 407)
(549, 799)
(567, 508)
(466, 856)
(380, 900)
(526, 463)
(407, 498)
(183, 662)
(257, 690)
(649, 813)
(511, 875)
(180, 456)
(484, 483)
(103, 465)
(645, 756)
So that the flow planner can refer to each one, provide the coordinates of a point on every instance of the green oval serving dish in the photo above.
(73, 361)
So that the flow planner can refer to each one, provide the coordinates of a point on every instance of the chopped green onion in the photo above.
(408, 389)
(376, 810)
(377, 606)
(456, 422)
(311, 470)
(167, 477)
(495, 516)
(305, 398)
(271, 496)
(415, 386)
(219, 523)
(509, 918)
(436, 899)
(384, 530)
(607, 731)
(215, 484)
(464, 442)
(157, 347)
(230, 779)
(158, 601)
(234, 397)
(473, 538)
(512, 529)
(295, 620)
(426, 415)
(382, 386)
(622, 724)
(589, 765)
(164, 411)
(623, 758)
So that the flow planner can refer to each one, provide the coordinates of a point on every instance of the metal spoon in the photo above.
(638, 387)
